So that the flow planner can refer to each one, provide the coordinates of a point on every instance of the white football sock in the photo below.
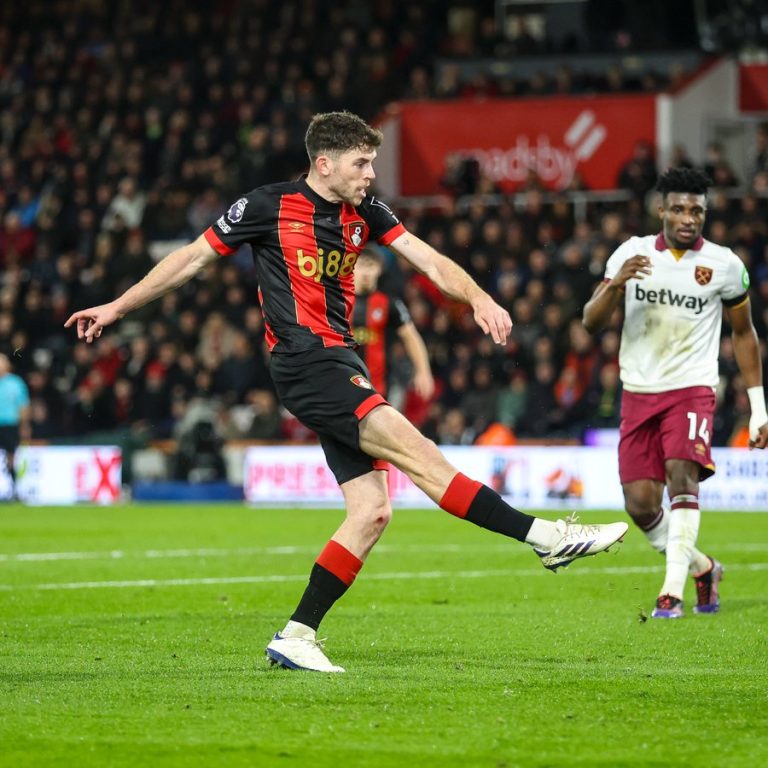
(658, 531)
(297, 629)
(543, 534)
(684, 518)
(657, 536)
(700, 563)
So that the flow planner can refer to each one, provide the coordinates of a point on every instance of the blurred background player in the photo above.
(375, 317)
(673, 287)
(14, 415)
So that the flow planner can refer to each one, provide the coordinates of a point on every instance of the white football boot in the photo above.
(300, 650)
(578, 540)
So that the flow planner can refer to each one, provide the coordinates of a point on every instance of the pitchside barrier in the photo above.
(55, 474)
(550, 477)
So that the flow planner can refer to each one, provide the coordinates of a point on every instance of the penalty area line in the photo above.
(194, 552)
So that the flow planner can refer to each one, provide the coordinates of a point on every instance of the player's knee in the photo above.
(381, 514)
(682, 483)
(375, 514)
(641, 508)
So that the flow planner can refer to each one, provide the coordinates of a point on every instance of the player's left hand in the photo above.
(758, 436)
(492, 318)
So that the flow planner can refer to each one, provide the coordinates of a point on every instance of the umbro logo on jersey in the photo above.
(361, 381)
(667, 297)
(703, 275)
(296, 225)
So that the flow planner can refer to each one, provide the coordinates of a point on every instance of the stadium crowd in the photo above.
(124, 125)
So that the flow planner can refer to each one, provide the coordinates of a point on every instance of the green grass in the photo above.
(479, 658)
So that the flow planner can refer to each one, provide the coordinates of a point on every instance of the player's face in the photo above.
(351, 173)
(367, 273)
(682, 215)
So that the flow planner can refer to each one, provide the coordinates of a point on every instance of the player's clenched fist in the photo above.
(758, 438)
(637, 267)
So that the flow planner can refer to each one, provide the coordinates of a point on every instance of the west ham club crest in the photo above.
(703, 275)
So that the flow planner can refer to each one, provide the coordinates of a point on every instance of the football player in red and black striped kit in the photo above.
(306, 236)
(377, 314)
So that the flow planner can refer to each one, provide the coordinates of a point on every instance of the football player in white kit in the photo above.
(673, 287)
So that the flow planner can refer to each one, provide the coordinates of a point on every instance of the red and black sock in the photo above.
(332, 574)
(473, 501)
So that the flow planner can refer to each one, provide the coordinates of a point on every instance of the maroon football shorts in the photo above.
(665, 425)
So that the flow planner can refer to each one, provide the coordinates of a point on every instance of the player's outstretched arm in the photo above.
(454, 282)
(608, 296)
(177, 268)
(747, 351)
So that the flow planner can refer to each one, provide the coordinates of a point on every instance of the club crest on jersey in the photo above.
(360, 381)
(355, 232)
(236, 210)
(703, 275)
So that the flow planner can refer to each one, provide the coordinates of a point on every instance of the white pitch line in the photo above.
(159, 554)
(395, 575)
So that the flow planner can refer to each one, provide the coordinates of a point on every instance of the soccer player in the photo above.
(375, 314)
(673, 287)
(14, 416)
(306, 236)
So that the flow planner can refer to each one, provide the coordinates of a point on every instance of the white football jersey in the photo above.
(673, 317)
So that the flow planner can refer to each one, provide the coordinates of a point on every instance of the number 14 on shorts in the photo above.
(703, 431)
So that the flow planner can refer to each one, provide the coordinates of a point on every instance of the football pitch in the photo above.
(134, 636)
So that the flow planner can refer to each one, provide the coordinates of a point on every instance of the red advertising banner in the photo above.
(753, 88)
(553, 137)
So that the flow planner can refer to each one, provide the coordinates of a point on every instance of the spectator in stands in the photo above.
(512, 400)
(543, 415)
(479, 404)
(237, 373)
(638, 175)
(17, 243)
(127, 207)
(760, 164)
(453, 429)
(602, 407)
(717, 167)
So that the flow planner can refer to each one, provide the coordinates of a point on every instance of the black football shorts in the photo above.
(9, 438)
(329, 391)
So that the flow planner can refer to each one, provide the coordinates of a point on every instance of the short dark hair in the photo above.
(690, 180)
(371, 253)
(338, 132)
